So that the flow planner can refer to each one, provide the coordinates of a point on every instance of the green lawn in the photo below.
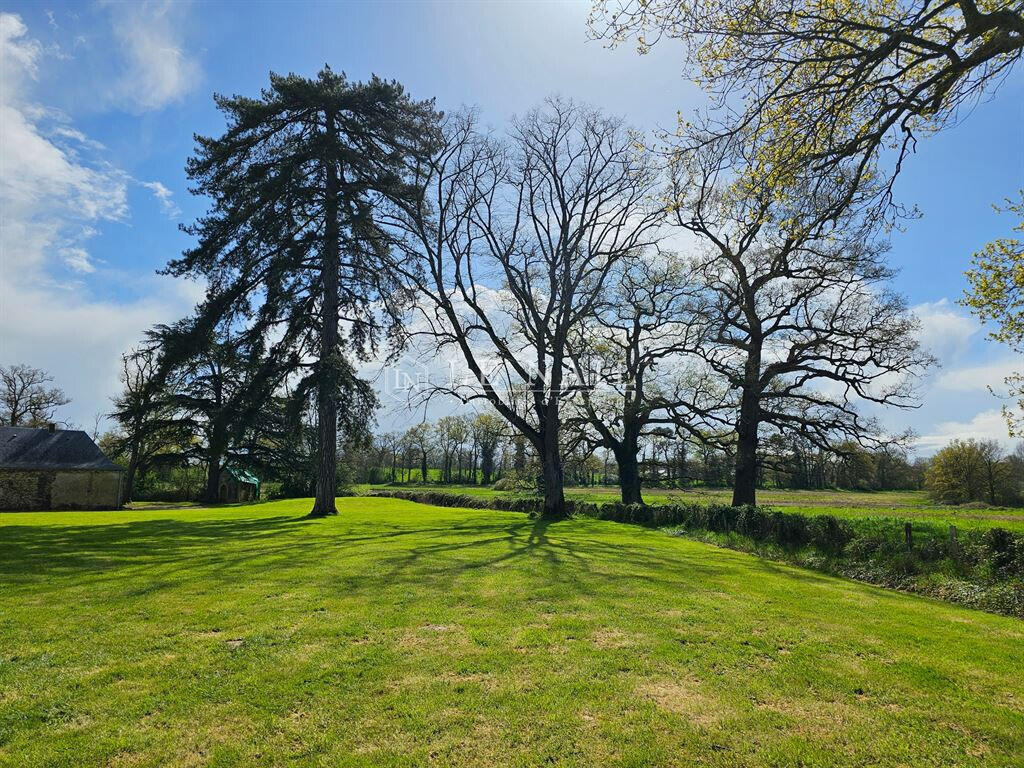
(402, 634)
(905, 505)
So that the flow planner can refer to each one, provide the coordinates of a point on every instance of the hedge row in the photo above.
(993, 553)
(528, 504)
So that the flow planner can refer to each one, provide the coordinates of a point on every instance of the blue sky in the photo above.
(100, 102)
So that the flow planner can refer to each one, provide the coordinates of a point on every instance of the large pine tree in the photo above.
(291, 250)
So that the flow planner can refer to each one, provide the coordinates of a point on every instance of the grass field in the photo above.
(401, 634)
(906, 505)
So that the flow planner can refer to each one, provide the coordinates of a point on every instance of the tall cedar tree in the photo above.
(291, 248)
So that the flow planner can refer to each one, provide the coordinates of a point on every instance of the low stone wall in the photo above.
(22, 489)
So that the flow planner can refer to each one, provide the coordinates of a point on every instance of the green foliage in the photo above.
(996, 295)
(815, 90)
(972, 470)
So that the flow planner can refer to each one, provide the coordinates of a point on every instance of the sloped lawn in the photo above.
(401, 634)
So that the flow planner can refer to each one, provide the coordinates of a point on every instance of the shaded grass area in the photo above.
(402, 634)
(902, 505)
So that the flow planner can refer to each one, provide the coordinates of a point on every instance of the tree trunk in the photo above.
(129, 480)
(327, 406)
(554, 491)
(629, 474)
(129, 483)
(486, 466)
(213, 471)
(745, 486)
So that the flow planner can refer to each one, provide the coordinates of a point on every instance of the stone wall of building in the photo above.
(56, 489)
(24, 489)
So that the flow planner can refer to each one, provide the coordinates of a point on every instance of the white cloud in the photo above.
(987, 425)
(17, 51)
(164, 196)
(64, 132)
(78, 259)
(979, 377)
(946, 331)
(159, 70)
(55, 194)
(49, 195)
(77, 339)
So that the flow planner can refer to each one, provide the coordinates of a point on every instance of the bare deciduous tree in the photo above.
(634, 352)
(26, 398)
(516, 241)
(793, 289)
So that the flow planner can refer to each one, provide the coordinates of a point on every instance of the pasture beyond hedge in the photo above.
(979, 567)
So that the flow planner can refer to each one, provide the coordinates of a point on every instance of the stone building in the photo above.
(238, 485)
(56, 469)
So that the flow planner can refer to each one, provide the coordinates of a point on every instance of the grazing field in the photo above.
(905, 505)
(402, 634)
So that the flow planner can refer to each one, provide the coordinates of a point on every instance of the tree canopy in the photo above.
(995, 294)
(824, 87)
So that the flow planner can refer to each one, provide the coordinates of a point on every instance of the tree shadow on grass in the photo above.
(366, 552)
(582, 560)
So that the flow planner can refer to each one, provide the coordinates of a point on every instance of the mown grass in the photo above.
(903, 505)
(401, 634)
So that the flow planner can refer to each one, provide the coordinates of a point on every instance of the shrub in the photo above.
(828, 533)
(1002, 549)
(788, 530)
(514, 483)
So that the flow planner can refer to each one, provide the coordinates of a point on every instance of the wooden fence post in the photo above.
(908, 536)
(954, 544)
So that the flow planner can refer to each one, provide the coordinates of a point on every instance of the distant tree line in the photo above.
(967, 471)
(480, 449)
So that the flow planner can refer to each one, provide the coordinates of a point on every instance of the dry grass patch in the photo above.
(685, 698)
(612, 638)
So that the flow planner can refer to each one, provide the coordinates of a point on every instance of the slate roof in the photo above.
(28, 448)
